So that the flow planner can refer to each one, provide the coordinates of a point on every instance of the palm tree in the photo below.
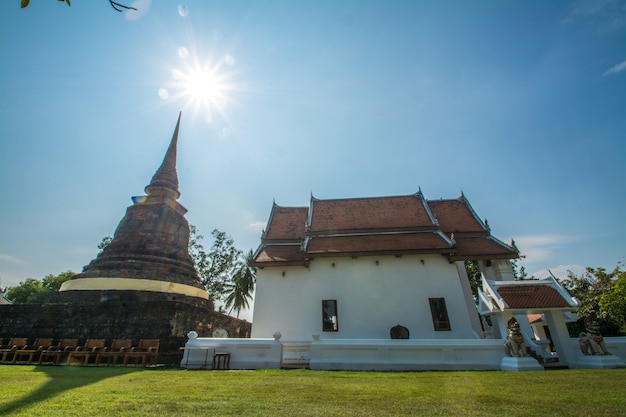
(242, 287)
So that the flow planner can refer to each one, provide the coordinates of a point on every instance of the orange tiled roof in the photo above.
(456, 216)
(279, 255)
(378, 225)
(286, 223)
(386, 213)
(531, 296)
(481, 247)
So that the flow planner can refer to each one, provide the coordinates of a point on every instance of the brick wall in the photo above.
(116, 318)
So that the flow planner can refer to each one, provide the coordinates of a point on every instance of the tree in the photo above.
(53, 283)
(28, 291)
(242, 286)
(602, 295)
(217, 267)
(34, 291)
(475, 277)
(612, 302)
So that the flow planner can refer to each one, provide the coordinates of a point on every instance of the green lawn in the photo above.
(76, 391)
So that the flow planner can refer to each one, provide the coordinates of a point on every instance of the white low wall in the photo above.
(296, 354)
(407, 354)
(617, 346)
(244, 353)
(617, 359)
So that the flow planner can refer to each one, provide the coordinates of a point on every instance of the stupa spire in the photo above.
(165, 179)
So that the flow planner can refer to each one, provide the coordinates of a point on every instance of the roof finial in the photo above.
(165, 179)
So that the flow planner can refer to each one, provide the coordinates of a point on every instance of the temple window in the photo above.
(440, 314)
(329, 316)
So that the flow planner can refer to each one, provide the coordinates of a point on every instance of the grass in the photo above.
(76, 391)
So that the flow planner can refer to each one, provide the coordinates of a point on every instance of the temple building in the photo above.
(366, 264)
(380, 283)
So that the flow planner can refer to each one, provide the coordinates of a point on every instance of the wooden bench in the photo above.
(84, 354)
(8, 351)
(56, 353)
(118, 350)
(31, 350)
(144, 353)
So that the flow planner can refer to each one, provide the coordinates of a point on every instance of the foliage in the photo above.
(106, 241)
(216, 267)
(242, 286)
(519, 271)
(474, 276)
(602, 294)
(118, 7)
(613, 303)
(116, 391)
(34, 291)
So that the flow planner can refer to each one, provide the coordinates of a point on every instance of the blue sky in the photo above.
(520, 105)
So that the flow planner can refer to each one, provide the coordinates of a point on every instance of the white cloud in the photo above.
(257, 226)
(11, 259)
(540, 247)
(560, 271)
(608, 15)
(616, 68)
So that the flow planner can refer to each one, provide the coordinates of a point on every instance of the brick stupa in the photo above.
(148, 258)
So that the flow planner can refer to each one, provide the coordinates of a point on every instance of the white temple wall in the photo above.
(373, 294)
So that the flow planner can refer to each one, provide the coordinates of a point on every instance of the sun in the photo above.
(206, 86)
(203, 87)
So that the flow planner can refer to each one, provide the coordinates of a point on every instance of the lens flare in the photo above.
(205, 86)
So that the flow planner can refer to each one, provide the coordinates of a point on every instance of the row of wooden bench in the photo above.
(68, 352)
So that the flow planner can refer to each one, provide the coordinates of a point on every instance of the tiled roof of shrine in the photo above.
(286, 223)
(457, 216)
(397, 225)
(532, 296)
(527, 295)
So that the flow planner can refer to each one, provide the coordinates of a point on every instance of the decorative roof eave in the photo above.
(269, 221)
(268, 226)
(455, 258)
(490, 299)
(511, 248)
(309, 218)
(261, 265)
(450, 248)
(298, 260)
(429, 213)
(465, 201)
(386, 231)
(356, 254)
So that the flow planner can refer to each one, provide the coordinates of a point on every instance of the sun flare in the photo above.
(202, 87)
(205, 87)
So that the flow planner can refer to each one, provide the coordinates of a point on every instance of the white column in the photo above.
(560, 337)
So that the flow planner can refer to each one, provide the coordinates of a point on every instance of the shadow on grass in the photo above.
(60, 379)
